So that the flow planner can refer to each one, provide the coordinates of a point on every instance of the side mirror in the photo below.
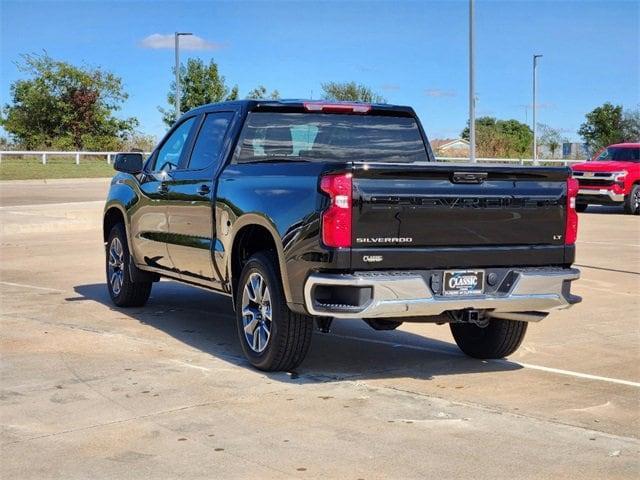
(128, 162)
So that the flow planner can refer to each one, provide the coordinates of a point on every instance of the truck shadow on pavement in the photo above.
(205, 321)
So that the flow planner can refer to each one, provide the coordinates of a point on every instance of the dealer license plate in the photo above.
(463, 282)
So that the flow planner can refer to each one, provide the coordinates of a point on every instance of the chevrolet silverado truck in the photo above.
(611, 178)
(304, 212)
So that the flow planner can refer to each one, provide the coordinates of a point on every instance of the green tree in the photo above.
(350, 91)
(138, 141)
(500, 138)
(199, 84)
(260, 93)
(631, 125)
(63, 106)
(604, 125)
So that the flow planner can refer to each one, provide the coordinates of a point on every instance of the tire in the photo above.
(498, 339)
(122, 290)
(632, 201)
(581, 207)
(383, 323)
(281, 342)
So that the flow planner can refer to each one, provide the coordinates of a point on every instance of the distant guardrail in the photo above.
(43, 155)
(519, 161)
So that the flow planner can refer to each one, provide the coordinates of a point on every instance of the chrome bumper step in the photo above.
(407, 294)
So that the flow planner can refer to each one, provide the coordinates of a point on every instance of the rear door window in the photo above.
(208, 146)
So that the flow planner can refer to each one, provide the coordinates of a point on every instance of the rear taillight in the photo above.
(336, 219)
(571, 230)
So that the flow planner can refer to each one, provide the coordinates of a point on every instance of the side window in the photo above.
(168, 156)
(210, 140)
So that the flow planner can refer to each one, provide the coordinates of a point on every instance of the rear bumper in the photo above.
(599, 194)
(409, 294)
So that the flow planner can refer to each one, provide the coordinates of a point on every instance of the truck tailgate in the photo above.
(433, 206)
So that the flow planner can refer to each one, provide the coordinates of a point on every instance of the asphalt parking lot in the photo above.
(91, 391)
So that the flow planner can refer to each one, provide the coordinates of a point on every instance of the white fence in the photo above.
(109, 155)
(44, 155)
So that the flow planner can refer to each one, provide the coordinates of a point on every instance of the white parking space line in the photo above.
(22, 285)
(588, 376)
(530, 366)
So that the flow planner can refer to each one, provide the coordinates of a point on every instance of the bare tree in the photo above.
(551, 137)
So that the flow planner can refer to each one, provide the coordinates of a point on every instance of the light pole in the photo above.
(534, 107)
(472, 86)
(177, 99)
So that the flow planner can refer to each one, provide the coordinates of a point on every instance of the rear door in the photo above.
(190, 201)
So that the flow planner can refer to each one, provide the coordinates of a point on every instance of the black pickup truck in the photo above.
(306, 211)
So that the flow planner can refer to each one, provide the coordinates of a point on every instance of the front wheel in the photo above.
(273, 338)
(123, 291)
(498, 339)
(632, 201)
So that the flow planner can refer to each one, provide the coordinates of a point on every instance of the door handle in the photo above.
(204, 189)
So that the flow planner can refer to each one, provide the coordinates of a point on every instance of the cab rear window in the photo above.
(326, 137)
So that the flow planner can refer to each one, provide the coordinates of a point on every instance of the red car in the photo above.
(611, 178)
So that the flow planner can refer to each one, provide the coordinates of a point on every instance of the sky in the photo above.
(411, 52)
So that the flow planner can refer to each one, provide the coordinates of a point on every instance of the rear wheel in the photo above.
(273, 338)
(122, 290)
(497, 339)
(632, 201)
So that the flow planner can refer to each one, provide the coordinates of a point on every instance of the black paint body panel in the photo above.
(421, 204)
(463, 257)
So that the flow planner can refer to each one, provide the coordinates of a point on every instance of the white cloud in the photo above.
(437, 92)
(187, 42)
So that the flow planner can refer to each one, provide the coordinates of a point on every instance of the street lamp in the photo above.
(534, 107)
(177, 99)
(472, 87)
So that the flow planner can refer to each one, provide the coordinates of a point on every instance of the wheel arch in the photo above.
(113, 214)
(254, 234)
